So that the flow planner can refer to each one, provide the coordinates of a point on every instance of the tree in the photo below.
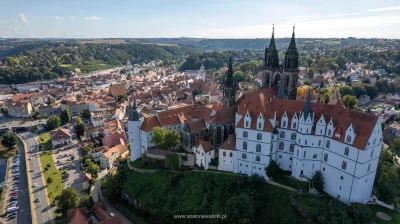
(273, 169)
(93, 169)
(396, 146)
(165, 139)
(66, 115)
(122, 98)
(200, 102)
(307, 83)
(345, 90)
(78, 120)
(318, 181)
(53, 122)
(49, 180)
(86, 113)
(86, 150)
(175, 161)
(68, 199)
(358, 90)
(310, 73)
(80, 129)
(9, 140)
(359, 213)
(86, 201)
(348, 80)
(372, 91)
(240, 209)
(367, 81)
(350, 101)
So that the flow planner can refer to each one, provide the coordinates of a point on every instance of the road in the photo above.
(16, 122)
(24, 211)
(44, 212)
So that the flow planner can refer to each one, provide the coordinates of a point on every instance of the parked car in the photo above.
(35, 185)
(36, 200)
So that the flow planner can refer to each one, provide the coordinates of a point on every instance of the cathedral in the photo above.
(267, 125)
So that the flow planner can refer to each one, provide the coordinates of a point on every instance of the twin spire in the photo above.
(229, 78)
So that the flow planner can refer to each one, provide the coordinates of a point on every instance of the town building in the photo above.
(109, 157)
(61, 136)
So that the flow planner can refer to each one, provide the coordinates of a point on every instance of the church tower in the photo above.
(291, 69)
(271, 64)
(229, 90)
(134, 123)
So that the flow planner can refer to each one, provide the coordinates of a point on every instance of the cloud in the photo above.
(72, 17)
(22, 18)
(327, 16)
(15, 29)
(58, 18)
(93, 18)
(384, 9)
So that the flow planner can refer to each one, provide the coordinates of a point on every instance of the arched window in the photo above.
(257, 158)
(326, 157)
(224, 154)
(349, 138)
(259, 136)
(346, 151)
(258, 148)
(328, 144)
(293, 136)
(291, 147)
(329, 132)
(230, 154)
(281, 145)
(282, 134)
(369, 168)
(245, 134)
(244, 145)
(284, 124)
(244, 156)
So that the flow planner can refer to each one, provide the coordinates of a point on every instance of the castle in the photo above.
(270, 125)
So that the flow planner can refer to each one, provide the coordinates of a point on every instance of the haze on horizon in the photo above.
(203, 19)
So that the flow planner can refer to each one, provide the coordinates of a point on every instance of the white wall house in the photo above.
(204, 153)
(225, 156)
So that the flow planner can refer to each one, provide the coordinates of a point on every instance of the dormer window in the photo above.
(247, 124)
(294, 125)
(284, 124)
(329, 132)
(259, 125)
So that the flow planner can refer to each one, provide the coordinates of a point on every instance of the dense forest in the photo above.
(47, 60)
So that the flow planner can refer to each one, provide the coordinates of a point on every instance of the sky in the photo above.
(200, 18)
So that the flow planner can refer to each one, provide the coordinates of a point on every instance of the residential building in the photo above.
(225, 156)
(61, 136)
(204, 153)
(110, 156)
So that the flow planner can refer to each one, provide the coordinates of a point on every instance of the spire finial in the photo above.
(273, 30)
(294, 25)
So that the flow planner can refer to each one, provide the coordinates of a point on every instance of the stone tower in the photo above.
(291, 69)
(229, 90)
(287, 73)
(134, 123)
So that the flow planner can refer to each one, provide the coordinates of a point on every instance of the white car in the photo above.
(30, 158)
(35, 185)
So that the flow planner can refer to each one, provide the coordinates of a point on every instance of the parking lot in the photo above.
(11, 196)
(67, 159)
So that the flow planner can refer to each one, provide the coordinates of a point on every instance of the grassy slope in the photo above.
(375, 209)
(55, 188)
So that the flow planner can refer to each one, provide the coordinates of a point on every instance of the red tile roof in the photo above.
(77, 216)
(229, 143)
(117, 89)
(61, 133)
(207, 145)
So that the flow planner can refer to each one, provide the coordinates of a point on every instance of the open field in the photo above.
(56, 187)
(376, 208)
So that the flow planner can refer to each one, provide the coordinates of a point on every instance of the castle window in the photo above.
(313, 166)
(369, 168)
(329, 132)
(244, 156)
(291, 147)
(344, 165)
(314, 156)
(259, 125)
(304, 155)
(341, 177)
(297, 153)
(293, 136)
(245, 134)
(323, 168)
(257, 158)
(284, 124)
(259, 136)
(349, 139)
(282, 134)
(281, 145)
(372, 154)
(305, 142)
(247, 124)
(230, 154)
(258, 148)
(294, 125)
(328, 144)
(374, 141)
(280, 157)
(224, 153)
(244, 145)
(320, 131)
(326, 157)
(319, 142)
(346, 151)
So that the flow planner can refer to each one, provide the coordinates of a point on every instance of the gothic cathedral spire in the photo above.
(291, 62)
(229, 90)
(271, 60)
